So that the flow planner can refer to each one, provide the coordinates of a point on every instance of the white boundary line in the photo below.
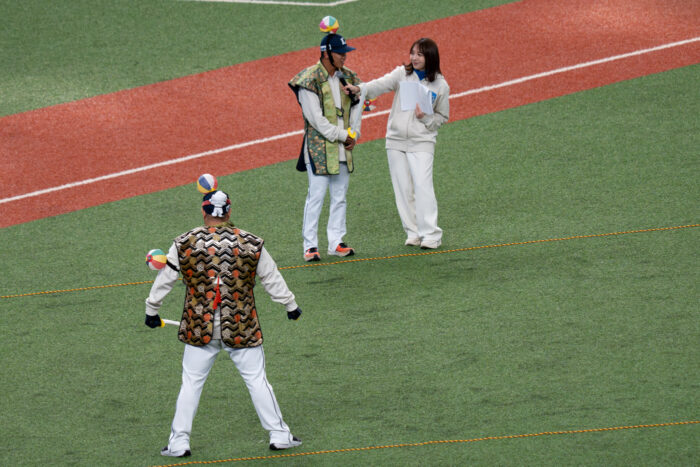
(151, 166)
(575, 67)
(374, 114)
(278, 2)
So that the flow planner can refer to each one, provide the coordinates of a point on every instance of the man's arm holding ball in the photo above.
(162, 285)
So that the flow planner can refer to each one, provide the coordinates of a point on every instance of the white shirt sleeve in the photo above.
(163, 284)
(273, 282)
(387, 83)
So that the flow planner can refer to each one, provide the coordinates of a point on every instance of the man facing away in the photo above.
(219, 263)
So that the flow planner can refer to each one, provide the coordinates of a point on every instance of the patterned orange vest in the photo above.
(222, 257)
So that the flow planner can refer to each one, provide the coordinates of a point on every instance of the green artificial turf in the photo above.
(564, 335)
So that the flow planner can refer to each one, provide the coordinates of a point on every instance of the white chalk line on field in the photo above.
(151, 166)
(576, 67)
(374, 114)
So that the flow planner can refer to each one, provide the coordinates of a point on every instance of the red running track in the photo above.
(127, 130)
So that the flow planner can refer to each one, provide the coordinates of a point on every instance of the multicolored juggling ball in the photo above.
(156, 259)
(206, 183)
(329, 24)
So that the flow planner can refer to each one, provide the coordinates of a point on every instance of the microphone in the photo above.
(354, 100)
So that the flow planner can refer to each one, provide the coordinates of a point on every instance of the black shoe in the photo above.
(279, 446)
(167, 452)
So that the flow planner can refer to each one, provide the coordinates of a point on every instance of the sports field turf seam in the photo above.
(435, 442)
(378, 258)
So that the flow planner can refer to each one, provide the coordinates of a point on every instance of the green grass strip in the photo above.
(379, 258)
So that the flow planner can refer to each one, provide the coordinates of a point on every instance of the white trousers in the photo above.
(337, 186)
(412, 178)
(250, 362)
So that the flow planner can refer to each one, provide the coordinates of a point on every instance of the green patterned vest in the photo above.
(228, 257)
(323, 154)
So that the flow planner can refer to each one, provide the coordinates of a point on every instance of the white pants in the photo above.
(196, 363)
(337, 186)
(412, 178)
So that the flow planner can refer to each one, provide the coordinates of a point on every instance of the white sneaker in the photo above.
(291, 444)
(181, 453)
(412, 241)
(430, 244)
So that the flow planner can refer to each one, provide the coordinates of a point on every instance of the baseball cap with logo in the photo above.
(335, 43)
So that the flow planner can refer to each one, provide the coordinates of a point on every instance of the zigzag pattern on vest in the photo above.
(227, 257)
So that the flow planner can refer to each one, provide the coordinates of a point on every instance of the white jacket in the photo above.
(405, 132)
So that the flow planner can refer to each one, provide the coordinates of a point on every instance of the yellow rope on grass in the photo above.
(437, 252)
(528, 242)
(427, 443)
(76, 289)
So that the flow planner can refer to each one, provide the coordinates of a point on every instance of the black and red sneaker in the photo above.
(342, 250)
(312, 254)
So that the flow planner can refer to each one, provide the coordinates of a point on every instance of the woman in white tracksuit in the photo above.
(410, 141)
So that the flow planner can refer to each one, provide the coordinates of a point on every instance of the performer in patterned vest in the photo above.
(332, 121)
(219, 264)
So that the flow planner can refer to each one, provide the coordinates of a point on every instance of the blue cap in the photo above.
(335, 43)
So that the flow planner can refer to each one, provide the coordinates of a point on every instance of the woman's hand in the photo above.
(350, 89)
(419, 112)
